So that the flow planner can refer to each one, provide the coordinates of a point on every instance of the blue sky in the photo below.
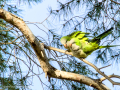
(37, 13)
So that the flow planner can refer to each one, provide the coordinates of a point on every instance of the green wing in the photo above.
(92, 45)
(82, 40)
(88, 46)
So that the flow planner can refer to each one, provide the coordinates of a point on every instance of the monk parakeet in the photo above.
(88, 46)
(77, 34)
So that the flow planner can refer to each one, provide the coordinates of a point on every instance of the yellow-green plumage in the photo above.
(80, 44)
(88, 46)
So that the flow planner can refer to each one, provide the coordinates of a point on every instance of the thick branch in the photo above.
(79, 78)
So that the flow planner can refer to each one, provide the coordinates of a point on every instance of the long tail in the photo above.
(108, 46)
(103, 35)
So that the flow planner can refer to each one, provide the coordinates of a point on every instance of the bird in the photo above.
(87, 46)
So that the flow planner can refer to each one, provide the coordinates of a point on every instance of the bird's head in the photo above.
(64, 41)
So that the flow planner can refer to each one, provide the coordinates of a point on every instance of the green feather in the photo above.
(87, 46)
(82, 46)
(78, 34)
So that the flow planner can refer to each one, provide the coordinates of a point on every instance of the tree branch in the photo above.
(105, 66)
(110, 76)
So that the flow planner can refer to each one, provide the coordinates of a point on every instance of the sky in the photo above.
(39, 12)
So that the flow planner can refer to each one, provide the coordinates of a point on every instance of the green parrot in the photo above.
(77, 34)
(87, 46)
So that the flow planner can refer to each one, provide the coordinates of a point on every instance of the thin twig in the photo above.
(105, 66)
(110, 76)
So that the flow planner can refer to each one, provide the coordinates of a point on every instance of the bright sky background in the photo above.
(37, 13)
